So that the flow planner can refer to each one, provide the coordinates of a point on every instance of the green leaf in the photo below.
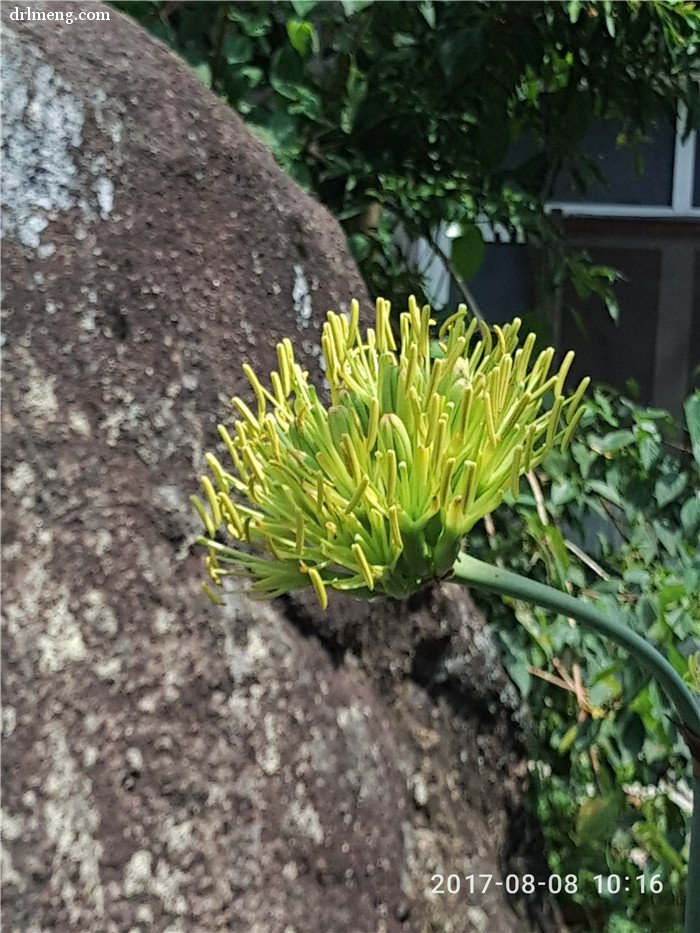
(356, 88)
(350, 7)
(604, 690)
(164, 32)
(612, 305)
(286, 77)
(286, 73)
(632, 735)
(252, 75)
(308, 104)
(595, 817)
(615, 441)
(460, 53)
(254, 22)
(584, 457)
(203, 72)
(610, 23)
(574, 10)
(653, 838)
(669, 538)
(671, 594)
(606, 409)
(669, 487)
(520, 675)
(468, 252)
(568, 740)
(302, 7)
(692, 419)
(563, 491)
(238, 49)
(360, 246)
(690, 515)
(606, 492)
(428, 12)
(649, 450)
(646, 612)
(302, 36)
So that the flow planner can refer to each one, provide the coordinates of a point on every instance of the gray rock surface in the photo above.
(169, 765)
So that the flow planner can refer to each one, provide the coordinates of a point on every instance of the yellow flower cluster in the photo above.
(375, 492)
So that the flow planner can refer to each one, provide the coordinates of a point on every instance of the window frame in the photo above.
(685, 153)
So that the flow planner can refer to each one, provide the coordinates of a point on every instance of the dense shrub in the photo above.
(422, 113)
(617, 518)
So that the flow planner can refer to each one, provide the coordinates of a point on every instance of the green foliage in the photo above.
(423, 113)
(609, 771)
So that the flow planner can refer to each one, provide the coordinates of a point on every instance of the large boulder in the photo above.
(169, 765)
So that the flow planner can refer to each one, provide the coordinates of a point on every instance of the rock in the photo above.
(169, 765)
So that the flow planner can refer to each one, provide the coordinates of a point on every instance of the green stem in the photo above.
(472, 572)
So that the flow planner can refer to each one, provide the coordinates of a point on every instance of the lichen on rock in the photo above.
(46, 169)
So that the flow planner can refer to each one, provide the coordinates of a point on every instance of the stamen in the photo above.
(204, 515)
(568, 434)
(365, 569)
(257, 388)
(217, 600)
(213, 501)
(318, 586)
(218, 472)
(394, 529)
(285, 375)
(563, 370)
(358, 494)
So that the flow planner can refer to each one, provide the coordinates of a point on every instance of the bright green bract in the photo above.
(374, 493)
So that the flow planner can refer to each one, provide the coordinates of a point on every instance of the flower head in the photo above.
(375, 492)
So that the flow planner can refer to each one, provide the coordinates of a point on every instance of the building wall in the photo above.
(657, 339)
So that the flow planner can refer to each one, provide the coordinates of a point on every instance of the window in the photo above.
(668, 187)
(645, 225)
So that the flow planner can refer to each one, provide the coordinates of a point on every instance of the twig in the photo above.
(539, 498)
(572, 684)
(544, 518)
(464, 289)
(588, 561)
